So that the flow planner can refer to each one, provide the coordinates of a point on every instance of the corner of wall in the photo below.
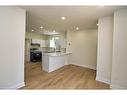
(90, 67)
(17, 86)
(101, 79)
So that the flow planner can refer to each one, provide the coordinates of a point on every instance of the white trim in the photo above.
(90, 67)
(101, 79)
(117, 87)
(17, 86)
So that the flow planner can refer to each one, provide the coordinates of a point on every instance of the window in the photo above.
(53, 41)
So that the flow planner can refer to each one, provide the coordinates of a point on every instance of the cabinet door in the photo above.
(47, 43)
(36, 41)
(43, 44)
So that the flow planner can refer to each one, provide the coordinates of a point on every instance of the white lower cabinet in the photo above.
(52, 63)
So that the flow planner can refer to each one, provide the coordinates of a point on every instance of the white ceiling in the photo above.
(85, 17)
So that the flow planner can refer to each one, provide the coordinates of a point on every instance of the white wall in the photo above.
(83, 45)
(33, 35)
(104, 54)
(12, 27)
(119, 66)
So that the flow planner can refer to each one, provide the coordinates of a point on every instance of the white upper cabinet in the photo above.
(42, 43)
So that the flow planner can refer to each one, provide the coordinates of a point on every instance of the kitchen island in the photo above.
(54, 61)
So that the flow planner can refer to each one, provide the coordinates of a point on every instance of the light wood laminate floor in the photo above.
(67, 77)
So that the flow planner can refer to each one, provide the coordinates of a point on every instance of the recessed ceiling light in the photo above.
(41, 27)
(77, 28)
(97, 24)
(32, 30)
(63, 18)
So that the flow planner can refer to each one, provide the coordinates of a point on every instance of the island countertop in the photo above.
(56, 53)
(55, 60)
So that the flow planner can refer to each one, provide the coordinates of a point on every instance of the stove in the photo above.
(35, 55)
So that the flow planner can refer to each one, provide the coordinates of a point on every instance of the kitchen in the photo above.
(41, 47)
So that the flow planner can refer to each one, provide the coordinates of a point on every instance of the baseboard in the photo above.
(17, 86)
(84, 66)
(103, 80)
(117, 87)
